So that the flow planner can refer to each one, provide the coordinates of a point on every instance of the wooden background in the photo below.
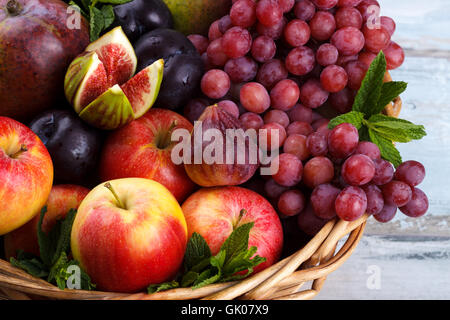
(410, 258)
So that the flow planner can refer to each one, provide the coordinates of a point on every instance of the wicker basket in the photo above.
(282, 281)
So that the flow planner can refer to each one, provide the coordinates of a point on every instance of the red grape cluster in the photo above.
(285, 51)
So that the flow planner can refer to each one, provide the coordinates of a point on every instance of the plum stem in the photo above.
(13, 7)
(23, 148)
(110, 188)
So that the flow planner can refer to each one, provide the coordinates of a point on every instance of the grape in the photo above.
(364, 8)
(200, 42)
(386, 214)
(358, 170)
(271, 72)
(309, 222)
(348, 17)
(263, 49)
(250, 120)
(377, 39)
(268, 12)
(343, 60)
(322, 25)
(225, 24)
(303, 128)
(348, 40)
(397, 192)
(271, 143)
(284, 95)
(317, 144)
(394, 56)
(242, 69)
(215, 52)
(367, 58)
(410, 172)
(356, 71)
(304, 10)
(342, 101)
(300, 113)
(417, 206)
(389, 24)
(318, 170)
(343, 140)
(254, 97)
(291, 202)
(351, 203)
(325, 4)
(273, 190)
(277, 116)
(323, 129)
(375, 201)
(297, 33)
(273, 32)
(243, 13)
(290, 170)
(369, 149)
(214, 32)
(333, 78)
(236, 42)
(286, 5)
(323, 199)
(296, 144)
(300, 61)
(312, 94)
(194, 108)
(327, 54)
(230, 107)
(319, 122)
(215, 83)
(206, 63)
(384, 172)
(348, 3)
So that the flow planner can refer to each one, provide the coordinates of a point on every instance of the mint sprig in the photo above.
(99, 13)
(233, 262)
(54, 248)
(370, 101)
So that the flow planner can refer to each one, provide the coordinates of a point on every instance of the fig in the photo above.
(226, 160)
(37, 44)
(100, 86)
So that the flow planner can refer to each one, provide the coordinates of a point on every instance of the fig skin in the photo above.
(213, 175)
(36, 48)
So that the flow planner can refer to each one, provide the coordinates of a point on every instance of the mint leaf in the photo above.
(189, 279)
(153, 288)
(237, 241)
(97, 23)
(108, 15)
(399, 130)
(47, 242)
(366, 100)
(387, 148)
(197, 250)
(63, 243)
(30, 264)
(60, 263)
(207, 277)
(115, 2)
(389, 91)
(353, 117)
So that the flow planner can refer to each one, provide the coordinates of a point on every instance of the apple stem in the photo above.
(110, 188)
(23, 148)
(165, 140)
(241, 214)
(13, 7)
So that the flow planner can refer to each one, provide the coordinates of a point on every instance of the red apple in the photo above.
(26, 172)
(129, 233)
(143, 149)
(215, 212)
(62, 198)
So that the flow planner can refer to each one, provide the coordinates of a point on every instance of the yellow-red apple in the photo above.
(26, 172)
(215, 212)
(143, 149)
(62, 198)
(129, 233)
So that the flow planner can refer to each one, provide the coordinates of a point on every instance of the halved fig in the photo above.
(109, 111)
(142, 90)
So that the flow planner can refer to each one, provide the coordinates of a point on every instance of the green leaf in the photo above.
(55, 270)
(97, 23)
(366, 100)
(47, 243)
(387, 148)
(86, 4)
(197, 250)
(108, 15)
(237, 241)
(189, 278)
(207, 277)
(63, 243)
(389, 91)
(353, 117)
(399, 130)
(153, 288)
(30, 264)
